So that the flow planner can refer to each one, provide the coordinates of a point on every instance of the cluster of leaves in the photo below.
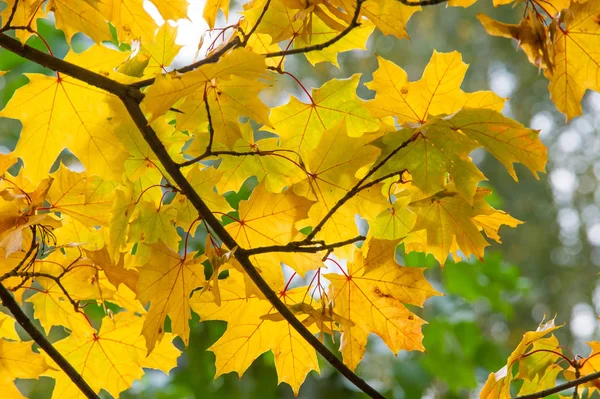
(541, 361)
(560, 38)
(159, 149)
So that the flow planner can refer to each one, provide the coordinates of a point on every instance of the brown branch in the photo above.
(62, 66)
(240, 254)
(42, 341)
(302, 247)
(421, 2)
(257, 153)
(353, 24)
(562, 387)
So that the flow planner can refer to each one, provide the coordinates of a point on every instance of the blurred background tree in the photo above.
(545, 267)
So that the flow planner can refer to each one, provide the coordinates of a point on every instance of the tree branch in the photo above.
(62, 66)
(240, 254)
(302, 247)
(131, 98)
(562, 387)
(42, 341)
(421, 2)
(353, 24)
(10, 17)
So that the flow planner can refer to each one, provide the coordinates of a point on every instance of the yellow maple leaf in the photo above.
(228, 98)
(505, 138)
(372, 295)
(166, 281)
(66, 114)
(17, 360)
(162, 51)
(389, 16)
(300, 125)
(576, 65)
(80, 16)
(531, 35)
(130, 19)
(278, 170)
(249, 333)
(497, 385)
(172, 9)
(118, 352)
(438, 91)
(452, 224)
(322, 32)
(85, 199)
(26, 14)
(268, 219)
(172, 87)
(211, 9)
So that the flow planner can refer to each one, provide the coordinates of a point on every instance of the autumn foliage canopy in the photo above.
(339, 183)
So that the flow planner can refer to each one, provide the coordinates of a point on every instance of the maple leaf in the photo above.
(249, 333)
(300, 125)
(17, 360)
(505, 138)
(451, 223)
(497, 385)
(530, 34)
(162, 51)
(389, 16)
(85, 199)
(166, 281)
(169, 88)
(268, 219)
(52, 305)
(322, 32)
(372, 295)
(211, 9)
(80, 16)
(67, 114)
(576, 67)
(130, 19)
(438, 91)
(277, 168)
(26, 14)
(118, 351)
(228, 98)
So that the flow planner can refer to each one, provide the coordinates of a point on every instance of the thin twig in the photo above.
(257, 153)
(216, 56)
(9, 302)
(358, 186)
(423, 3)
(302, 247)
(10, 17)
(315, 47)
